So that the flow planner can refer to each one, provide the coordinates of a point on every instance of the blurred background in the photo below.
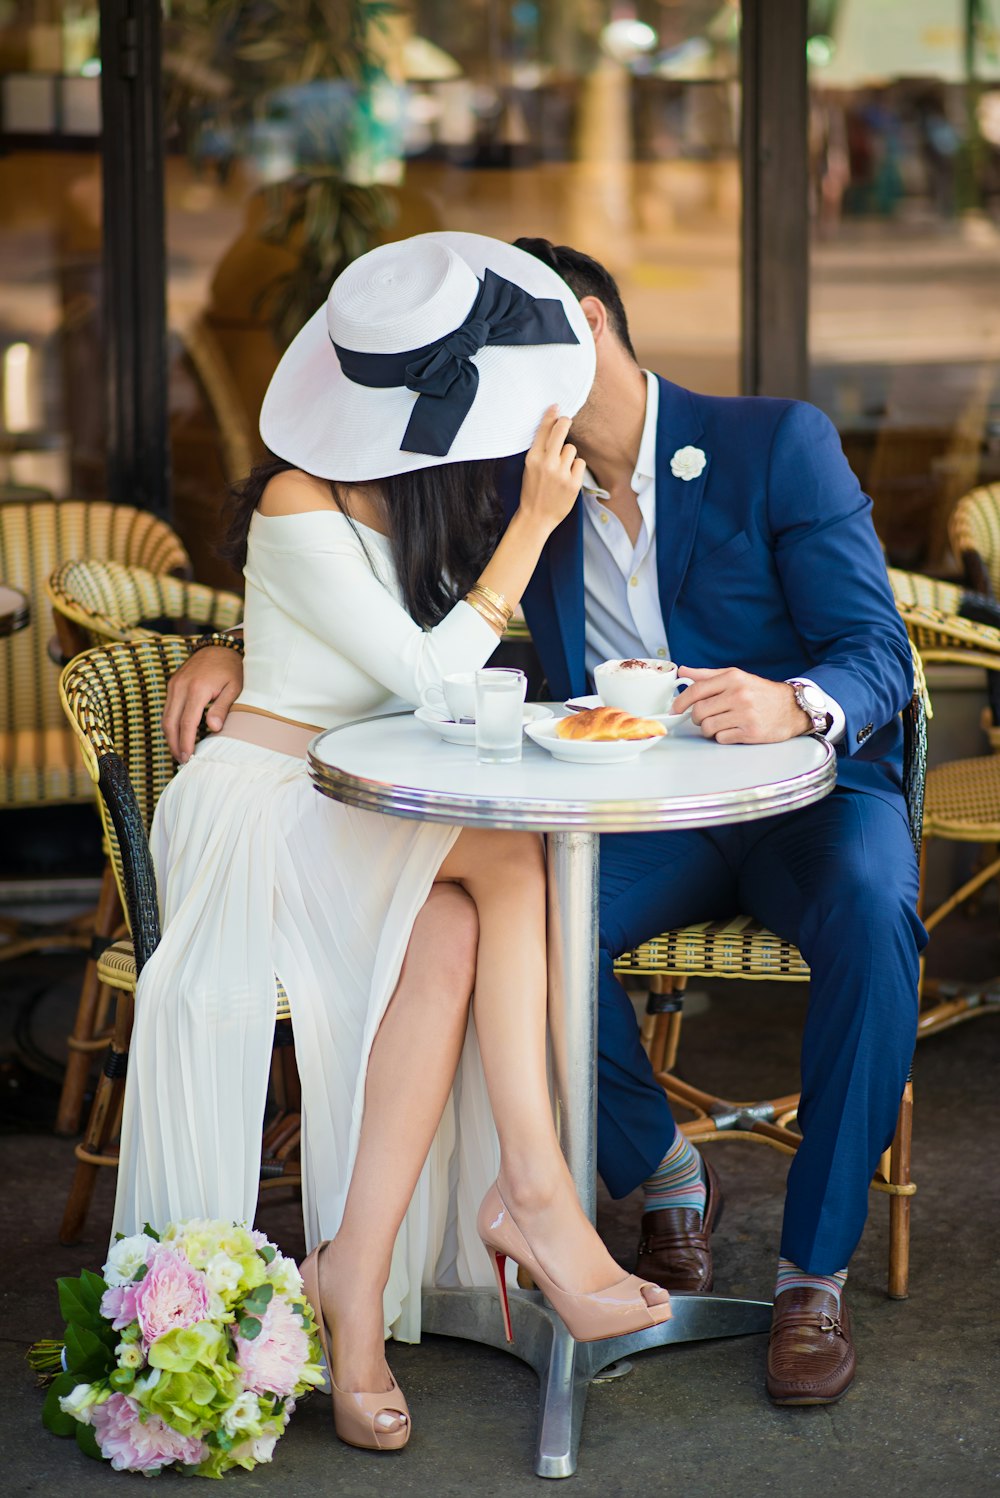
(299, 133)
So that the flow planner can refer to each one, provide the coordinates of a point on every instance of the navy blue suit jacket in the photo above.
(767, 561)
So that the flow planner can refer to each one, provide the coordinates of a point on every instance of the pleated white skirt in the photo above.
(259, 875)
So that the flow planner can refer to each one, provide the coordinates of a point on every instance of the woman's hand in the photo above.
(552, 473)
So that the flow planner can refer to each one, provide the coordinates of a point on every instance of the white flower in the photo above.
(263, 1447)
(129, 1355)
(223, 1273)
(687, 463)
(128, 1256)
(77, 1403)
(242, 1414)
(284, 1276)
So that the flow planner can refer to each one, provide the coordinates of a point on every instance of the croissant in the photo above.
(602, 724)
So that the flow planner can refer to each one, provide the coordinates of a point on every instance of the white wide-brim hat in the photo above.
(387, 319)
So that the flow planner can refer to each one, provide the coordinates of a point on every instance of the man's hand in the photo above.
(733, 707)
(213, 679)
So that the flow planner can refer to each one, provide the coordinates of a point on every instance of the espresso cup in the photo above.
(644, 688)
(454, 698)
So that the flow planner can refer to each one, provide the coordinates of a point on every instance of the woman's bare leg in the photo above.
(504, 872)
(410, 1073)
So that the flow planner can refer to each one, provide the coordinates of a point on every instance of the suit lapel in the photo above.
(565, 558)
(678, 501)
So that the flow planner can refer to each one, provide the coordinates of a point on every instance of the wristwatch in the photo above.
(813, 703)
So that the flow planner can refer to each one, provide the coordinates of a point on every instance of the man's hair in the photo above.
(585, 277)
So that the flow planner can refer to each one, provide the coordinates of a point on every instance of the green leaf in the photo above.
(257, 1302)
(140, 1273)
(267, 1253)
(87, 1441)
(150, 1232)
(250, 1327)
(87, 1356)
(52, 1416)
(72, 1302)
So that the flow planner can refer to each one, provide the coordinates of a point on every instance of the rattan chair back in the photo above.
(38, 760)
(105, 600)
(974, 534)
(114, 698)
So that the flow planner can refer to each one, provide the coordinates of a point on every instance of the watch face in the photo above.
(814, 697)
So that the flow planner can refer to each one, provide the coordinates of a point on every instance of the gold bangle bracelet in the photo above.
(493, 601)
(496, 599)
(489, 610)
(493, 617)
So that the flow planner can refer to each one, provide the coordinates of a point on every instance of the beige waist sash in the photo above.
(268, 731)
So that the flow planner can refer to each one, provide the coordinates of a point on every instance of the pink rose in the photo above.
(118, 1305)
(272, 1363)
(134, 1445)
(171, 1294)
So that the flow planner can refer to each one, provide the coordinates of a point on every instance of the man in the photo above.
(731, 536)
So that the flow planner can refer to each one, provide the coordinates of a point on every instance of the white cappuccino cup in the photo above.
(643, 687)
(454, 698)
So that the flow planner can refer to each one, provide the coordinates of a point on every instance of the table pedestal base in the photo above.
(565, 1368)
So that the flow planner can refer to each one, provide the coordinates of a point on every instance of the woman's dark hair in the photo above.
(585, 277)
(443, 525)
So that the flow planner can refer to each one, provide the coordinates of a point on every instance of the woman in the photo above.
(373, 569)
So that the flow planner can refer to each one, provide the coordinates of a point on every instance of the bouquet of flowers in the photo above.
(189, 1352)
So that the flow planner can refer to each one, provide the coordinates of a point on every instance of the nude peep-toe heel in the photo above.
(356, 1416)
(620, 1309)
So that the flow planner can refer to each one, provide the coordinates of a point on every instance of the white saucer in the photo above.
(465, 733)
(586, 751)
(669, 720)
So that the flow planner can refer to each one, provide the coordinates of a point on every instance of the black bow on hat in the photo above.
(442, 373)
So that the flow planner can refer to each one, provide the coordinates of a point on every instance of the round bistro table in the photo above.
(395, 766)
(15, 610)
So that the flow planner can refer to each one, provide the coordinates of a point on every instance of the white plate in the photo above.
(669, 720)
(465, 733)
(586, 751)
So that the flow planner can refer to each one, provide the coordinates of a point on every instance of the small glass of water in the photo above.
(499, 713)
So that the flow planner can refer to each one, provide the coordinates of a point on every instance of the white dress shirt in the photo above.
(623, 617)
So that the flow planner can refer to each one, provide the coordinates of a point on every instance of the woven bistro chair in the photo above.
(974, 533)
(741, 948)
(113, 697)
(962, 803)
(39, 764)
(96, 601)
(93, 602)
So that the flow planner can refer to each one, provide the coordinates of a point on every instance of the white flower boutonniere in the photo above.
(687, 463)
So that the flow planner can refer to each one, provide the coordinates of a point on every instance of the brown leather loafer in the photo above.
(810, 1356)
(674, 1247)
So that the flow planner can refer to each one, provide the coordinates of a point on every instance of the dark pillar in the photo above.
(134, 255)
(775, 161)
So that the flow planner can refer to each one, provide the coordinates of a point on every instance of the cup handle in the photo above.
(682, 681)
(427, 697)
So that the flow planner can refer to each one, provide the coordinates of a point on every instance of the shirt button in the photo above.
(633, 582)
(661, 651)
(604, 518)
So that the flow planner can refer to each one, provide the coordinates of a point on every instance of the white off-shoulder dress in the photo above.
(259, 875)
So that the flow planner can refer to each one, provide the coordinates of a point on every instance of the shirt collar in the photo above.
(645, 467)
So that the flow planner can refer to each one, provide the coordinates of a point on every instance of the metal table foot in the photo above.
(565, 1368)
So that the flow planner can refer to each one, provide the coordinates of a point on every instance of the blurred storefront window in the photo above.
(612, 127)
(52, 422)
(905, 274)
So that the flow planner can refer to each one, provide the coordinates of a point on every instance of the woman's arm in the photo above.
(327, 585)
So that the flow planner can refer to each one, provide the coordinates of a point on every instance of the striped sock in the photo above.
(791, 1277)
(678, 1180)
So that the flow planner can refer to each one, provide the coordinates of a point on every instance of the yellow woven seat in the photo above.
(114, 698)
(740, 948)
(963, 800)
